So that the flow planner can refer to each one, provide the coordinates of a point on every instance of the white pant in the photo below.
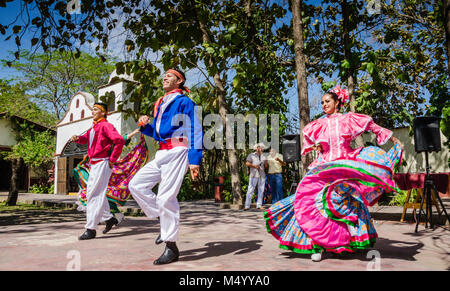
(97, 206)
(168, 169)
(252, 183)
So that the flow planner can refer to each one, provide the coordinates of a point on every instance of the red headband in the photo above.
(180, 76)
(101, 107)
(176, 73)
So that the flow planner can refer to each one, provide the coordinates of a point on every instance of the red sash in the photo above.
(171, 143)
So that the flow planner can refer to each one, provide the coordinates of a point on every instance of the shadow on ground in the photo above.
(217, 249)
(387, 248)
(39, 216)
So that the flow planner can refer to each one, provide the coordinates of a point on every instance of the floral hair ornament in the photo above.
(341, 93)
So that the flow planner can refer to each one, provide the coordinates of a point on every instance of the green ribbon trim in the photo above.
(369, 184)
(83, 202)
(316, 249)
(266, 219)
(327, 209)
(364, 172)
(353, 246)
(115, 200)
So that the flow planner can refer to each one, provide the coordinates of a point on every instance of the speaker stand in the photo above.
(428, 187)
(296, 178)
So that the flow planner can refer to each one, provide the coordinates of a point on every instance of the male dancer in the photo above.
(180, 148)
(100, 138)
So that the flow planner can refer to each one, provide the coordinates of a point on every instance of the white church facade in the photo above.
(77, 120)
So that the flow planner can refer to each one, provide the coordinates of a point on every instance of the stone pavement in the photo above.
(211, 238)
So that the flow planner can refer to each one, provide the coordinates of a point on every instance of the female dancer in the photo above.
(329, 211)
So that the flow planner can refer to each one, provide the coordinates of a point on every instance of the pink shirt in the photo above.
(100, 138)
(335, 133)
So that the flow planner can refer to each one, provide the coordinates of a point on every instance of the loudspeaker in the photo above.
(291, 148)
(427, 135)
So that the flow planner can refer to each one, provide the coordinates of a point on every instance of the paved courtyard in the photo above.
(210, 238)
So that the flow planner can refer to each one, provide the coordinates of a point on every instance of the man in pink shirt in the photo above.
(100, 138)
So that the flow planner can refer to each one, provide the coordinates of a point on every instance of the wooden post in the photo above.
(61, 187)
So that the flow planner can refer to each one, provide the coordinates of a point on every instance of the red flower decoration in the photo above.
(341, 93)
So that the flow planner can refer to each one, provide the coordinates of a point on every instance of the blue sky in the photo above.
(7, 15)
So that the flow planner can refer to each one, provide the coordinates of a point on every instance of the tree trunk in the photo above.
(14, 190)
(300, 68)
(351, 80)
(446, 15)
(221, 93)
(232, 156)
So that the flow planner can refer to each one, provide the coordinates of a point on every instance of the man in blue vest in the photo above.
(177, 129)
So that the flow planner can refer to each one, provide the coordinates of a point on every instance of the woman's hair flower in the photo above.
(341, 93)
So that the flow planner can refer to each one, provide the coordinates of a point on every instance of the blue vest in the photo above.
(177, 118)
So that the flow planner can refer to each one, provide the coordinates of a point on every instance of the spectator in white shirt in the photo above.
(256, 162)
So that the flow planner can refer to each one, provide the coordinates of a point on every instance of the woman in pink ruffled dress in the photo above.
(329, 211)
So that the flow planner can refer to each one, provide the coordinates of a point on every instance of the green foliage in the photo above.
(445, 125)
(227, 195)
(396, 57)
(33, 145)
(15, 102)
(189, 192)
(42, 188)
(19, 207)
(235, 46)
(445, 121)
(52, 78)
(399, 199)
(411, 59)
(35, 148)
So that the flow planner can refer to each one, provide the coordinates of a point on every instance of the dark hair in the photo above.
(182, 74)
(104, 105)
(335, 98)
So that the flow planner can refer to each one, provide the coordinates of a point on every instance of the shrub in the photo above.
(400, 198)
(42, 188)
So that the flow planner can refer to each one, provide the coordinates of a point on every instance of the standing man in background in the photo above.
(256, 163)
(275, 163)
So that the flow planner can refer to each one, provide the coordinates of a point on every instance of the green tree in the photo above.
(52, 78)
(338, 42)
(33, 148)
(417, 33)
(301, 61)
(213, 37)
(15, 102)
(445, 8)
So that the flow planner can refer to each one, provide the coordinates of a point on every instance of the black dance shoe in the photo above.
(170, 254)
(109, 224)
(88, 234)
(159, 240)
